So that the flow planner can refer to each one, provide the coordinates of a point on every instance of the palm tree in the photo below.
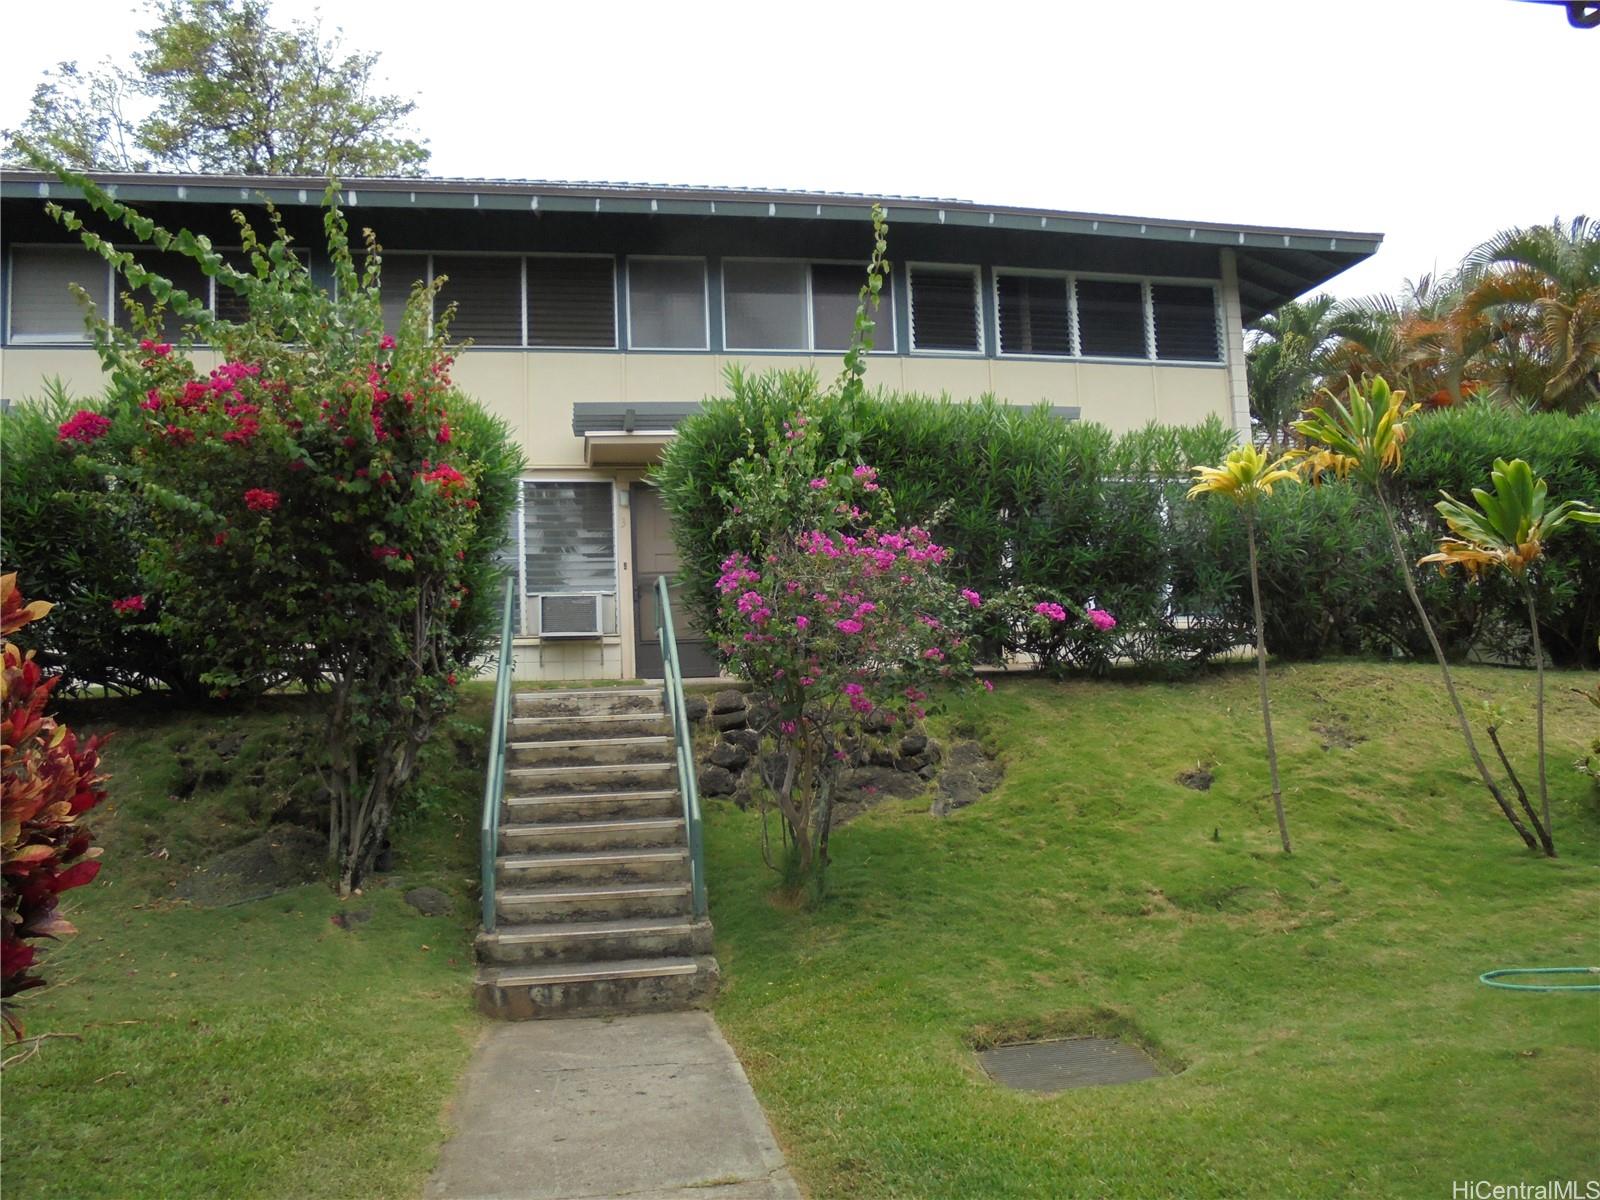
(1364, 439)
(1534, 293)
(1508, 529)
(1414, 340)
(1245, 477)
(1285, 362)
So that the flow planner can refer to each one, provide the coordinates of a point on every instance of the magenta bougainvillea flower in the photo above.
(84, 427)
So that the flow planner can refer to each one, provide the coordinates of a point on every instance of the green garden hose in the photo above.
(1492, 978)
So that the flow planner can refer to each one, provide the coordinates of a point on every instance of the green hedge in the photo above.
(1033, 505)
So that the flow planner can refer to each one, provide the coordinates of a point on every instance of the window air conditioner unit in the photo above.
(573, 615)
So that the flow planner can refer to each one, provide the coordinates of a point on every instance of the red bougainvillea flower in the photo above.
(261, 500)
(83, 426)
(128, 604)
(382, 552)
(156, 349)
(444, 433)
(1101, 619)
(386, 342)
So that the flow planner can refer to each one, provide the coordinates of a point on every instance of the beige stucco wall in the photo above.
(535, 391)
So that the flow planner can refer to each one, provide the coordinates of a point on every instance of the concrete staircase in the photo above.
(593, 901)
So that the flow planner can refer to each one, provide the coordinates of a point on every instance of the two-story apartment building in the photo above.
(600, 315)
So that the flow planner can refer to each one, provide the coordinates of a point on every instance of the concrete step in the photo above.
(558, 729)
(563, 807)
(597, 902)
(587, 701)
(605, 777)
(597, 988)
(594, 941)
(621, 834)
(590, 751)
(586, 867)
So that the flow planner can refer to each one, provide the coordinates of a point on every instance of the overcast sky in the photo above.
(1435, 122)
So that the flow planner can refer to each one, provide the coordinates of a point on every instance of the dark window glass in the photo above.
(1186, 322)
(944, 310)
(835, 292)
(571, 302)
(487, 293)
(1110, 318)
(1033, 315)
(765, 305)
(182, 271)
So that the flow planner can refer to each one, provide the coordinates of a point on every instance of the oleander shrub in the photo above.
(48, 781)
(1028, 503)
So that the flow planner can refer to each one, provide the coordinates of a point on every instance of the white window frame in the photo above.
(885, 304)
(1216, 308)
(1072, 313)
(977, 304)
(525, 625)
(705, 303)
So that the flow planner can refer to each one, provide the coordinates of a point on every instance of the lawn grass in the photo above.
(1322, 1009)
(256, 1050)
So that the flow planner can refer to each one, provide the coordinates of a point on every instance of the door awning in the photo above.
(622, 434)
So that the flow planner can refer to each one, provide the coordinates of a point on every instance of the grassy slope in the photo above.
(256, 1050)
(1325, 1006)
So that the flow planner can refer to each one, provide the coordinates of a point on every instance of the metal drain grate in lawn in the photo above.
(1068, 1063)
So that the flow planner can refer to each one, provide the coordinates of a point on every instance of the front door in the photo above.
(654, 555)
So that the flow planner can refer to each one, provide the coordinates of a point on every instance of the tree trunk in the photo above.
(1261, 677)
(1538, 665)
(1444, 669)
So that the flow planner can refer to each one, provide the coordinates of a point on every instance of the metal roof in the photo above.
(1275, 262)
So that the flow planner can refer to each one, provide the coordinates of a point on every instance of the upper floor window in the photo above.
(945, 309)
(401, 274)
(1111, 320)
(1035, 314)
(1186, 325)
(771, 304)
(667, 304)
(43, 308)
(487, 293)
(572, 301)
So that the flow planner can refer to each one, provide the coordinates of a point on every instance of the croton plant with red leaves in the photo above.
(49, 780)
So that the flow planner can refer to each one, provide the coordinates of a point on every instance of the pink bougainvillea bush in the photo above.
(48, 781)
(324, 505)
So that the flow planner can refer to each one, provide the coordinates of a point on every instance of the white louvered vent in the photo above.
(569, 616)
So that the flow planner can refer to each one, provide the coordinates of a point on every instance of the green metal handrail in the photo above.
(672, 697)
(494, 782)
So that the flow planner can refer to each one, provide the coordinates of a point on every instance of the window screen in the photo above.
(42, 303)
(183, 273)
(1111, 318)
(400, 273)
(765, 305)
(487, 293)
(572, 302)
(944, 309)
(1186, 322)
(1033, 315)
(835, 292)
(667, 304)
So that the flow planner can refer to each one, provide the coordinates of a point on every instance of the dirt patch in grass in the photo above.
(1071, 1023)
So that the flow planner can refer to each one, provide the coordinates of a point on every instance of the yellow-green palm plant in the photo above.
(1508, 531)
(1363, 437)
(1246, 477)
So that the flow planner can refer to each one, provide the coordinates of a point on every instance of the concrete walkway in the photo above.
(651, 1107)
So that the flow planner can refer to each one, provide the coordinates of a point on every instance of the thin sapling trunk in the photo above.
(1538, 665)
(1444, 670)
(1261, 677)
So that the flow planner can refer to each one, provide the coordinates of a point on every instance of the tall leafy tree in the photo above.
(1363, 437)
(1247, 477)
(1508, 529)
(1535, 294)
(217, 87)
(1286, 362)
